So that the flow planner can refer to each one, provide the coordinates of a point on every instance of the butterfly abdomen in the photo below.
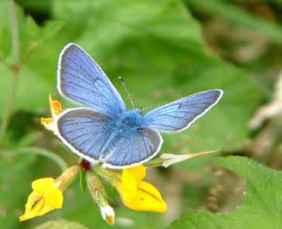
(127, 124)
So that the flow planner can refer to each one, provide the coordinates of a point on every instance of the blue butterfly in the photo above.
(104, 130)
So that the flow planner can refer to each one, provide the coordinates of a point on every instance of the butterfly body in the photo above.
(103, 129)
(127, 124)
(129, 120)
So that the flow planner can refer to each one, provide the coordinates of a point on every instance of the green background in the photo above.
(164, 50)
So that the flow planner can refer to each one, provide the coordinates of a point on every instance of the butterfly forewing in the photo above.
(82, 80)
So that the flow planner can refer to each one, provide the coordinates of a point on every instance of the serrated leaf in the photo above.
(261, 207)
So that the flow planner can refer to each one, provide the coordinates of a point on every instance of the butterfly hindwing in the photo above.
(133, 147)
(182, 113)
(82, 80)
(84, 131)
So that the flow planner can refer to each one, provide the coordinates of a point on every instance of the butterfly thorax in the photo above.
(130, 120)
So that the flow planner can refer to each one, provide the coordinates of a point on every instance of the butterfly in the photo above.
(103, 130)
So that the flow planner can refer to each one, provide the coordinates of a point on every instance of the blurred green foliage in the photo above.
(262, 200)
(164, 50)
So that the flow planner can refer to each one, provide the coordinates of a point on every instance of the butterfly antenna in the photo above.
(127, 92)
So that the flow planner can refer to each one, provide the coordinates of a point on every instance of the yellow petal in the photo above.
(29, 213)
(40, 185)
(46, 196)
(127, 187)
(148, 199)
(139, 195)
(46, 121)
(55, 106)
(54, 199)
(138, 172)
(130, 179)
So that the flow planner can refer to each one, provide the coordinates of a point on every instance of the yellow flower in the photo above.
(137, 194)
(46, 196)
(55, 108)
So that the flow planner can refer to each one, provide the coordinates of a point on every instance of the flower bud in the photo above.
(170, 159)
(98, 194)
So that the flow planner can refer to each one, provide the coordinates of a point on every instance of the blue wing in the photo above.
(84, 131)
(131, 148)
(91, 135)
(81, 79)
(181, 114)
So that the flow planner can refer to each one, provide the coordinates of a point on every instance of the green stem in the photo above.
(14, 32)
(110, 176)
(42, 152)
(15, 67)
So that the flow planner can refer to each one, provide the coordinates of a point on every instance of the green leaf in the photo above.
(28, 98)
(261, 207)
(234, 14)
(39, 48)
(15, 185)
